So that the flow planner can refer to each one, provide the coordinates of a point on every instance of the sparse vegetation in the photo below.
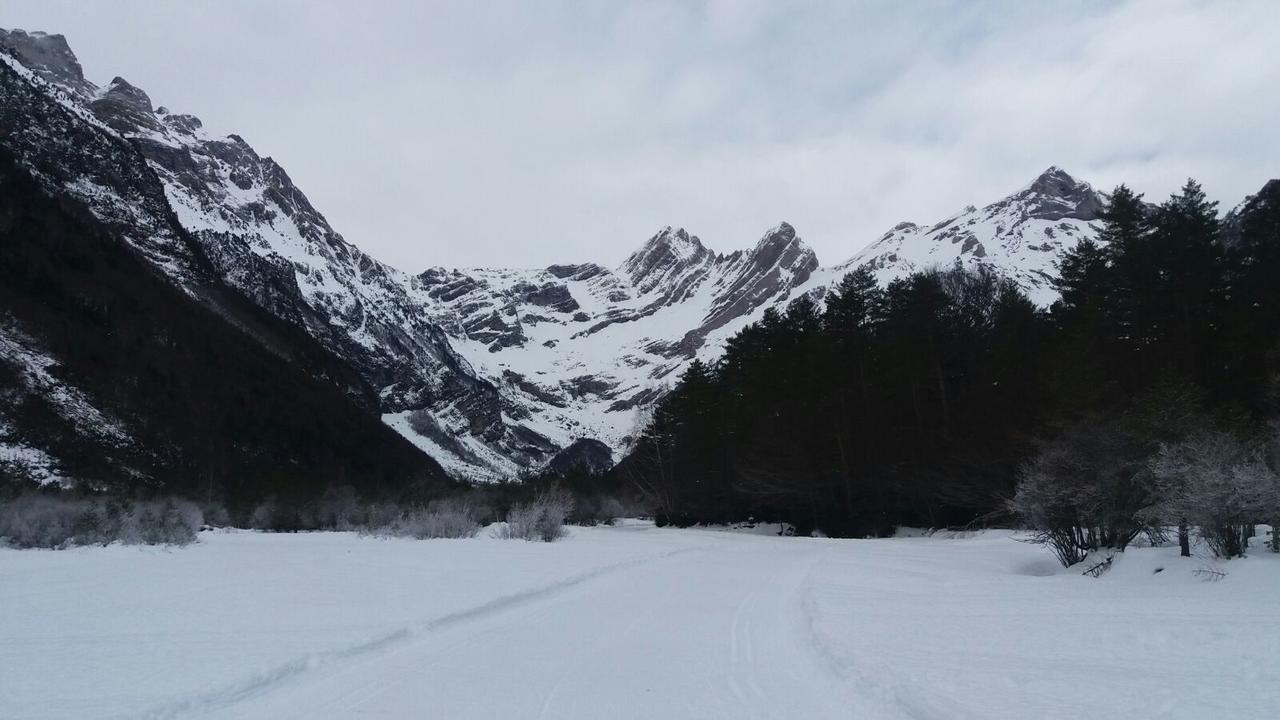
(451, 518)
(541, 519)
(39, 520)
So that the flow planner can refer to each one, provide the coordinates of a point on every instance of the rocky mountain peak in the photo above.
(669, 253)
(49, 56)
(124, 107)
(125, 93)
(781, 247)
(1055, 195)
(1053, 179)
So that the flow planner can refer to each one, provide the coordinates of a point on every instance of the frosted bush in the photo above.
(441, 519)
(263, 516)
(543, 519)
(38, 521)
(45, 521)
(1220, 484)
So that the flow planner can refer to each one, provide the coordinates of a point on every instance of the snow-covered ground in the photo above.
(631, 621)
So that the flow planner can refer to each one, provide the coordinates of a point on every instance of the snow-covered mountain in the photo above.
(1020, 236)
(490, 371)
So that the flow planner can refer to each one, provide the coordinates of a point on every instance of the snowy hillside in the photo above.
(490, 371)
(632, 622)
(1021, 236)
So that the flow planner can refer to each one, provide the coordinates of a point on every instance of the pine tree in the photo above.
(1187, 302)
(1126, 237)
(1252, 326)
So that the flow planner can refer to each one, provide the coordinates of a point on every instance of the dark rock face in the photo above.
(585, 271)
(585, 454)
(49, 56)
(1058, 196)
(550, 296)
(533, 389)
(644, 397)
(588, 385)
(125, 108)
(497, 330)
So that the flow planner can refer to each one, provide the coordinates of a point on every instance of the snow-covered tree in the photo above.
(1218, 483)
(1086, 490)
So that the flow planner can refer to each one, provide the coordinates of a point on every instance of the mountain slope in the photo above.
(126, 361)
(114, 375)
(260, 234)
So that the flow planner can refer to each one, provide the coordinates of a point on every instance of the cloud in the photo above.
(493, 133)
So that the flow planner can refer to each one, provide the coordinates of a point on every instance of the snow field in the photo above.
(631, 621)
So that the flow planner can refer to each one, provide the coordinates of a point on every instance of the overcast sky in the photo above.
(526, 133)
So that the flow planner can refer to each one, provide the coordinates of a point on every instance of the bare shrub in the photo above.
(1084, 491)
(1219, 483)
(38, 521)
(45, 521)
(263, 516)
(216, 515)
(450, 518)
(338, 508)
(380, 516)
(596, 510)
(542, 519)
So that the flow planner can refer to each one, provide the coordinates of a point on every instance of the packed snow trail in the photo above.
(631, 622)
(716, 632)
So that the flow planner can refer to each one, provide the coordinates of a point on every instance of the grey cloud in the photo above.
(505, 133)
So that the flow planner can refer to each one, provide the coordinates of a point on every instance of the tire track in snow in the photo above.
(263, 682)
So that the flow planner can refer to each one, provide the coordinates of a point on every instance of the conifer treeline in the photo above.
(918, 403)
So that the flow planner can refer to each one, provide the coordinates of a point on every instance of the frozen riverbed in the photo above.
(631, 621)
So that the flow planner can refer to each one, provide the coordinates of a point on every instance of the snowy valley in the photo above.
(633, 622)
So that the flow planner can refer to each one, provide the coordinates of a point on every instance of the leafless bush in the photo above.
(1084, 492)
(381, 515)
(339, 508)
(543, 519)
(597, 510)
(45, 521)
(1219, 483)
(263, 516)
(37, 521)
(216, 515)
(452, 518)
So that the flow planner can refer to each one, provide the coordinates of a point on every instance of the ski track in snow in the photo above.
(265, 682)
